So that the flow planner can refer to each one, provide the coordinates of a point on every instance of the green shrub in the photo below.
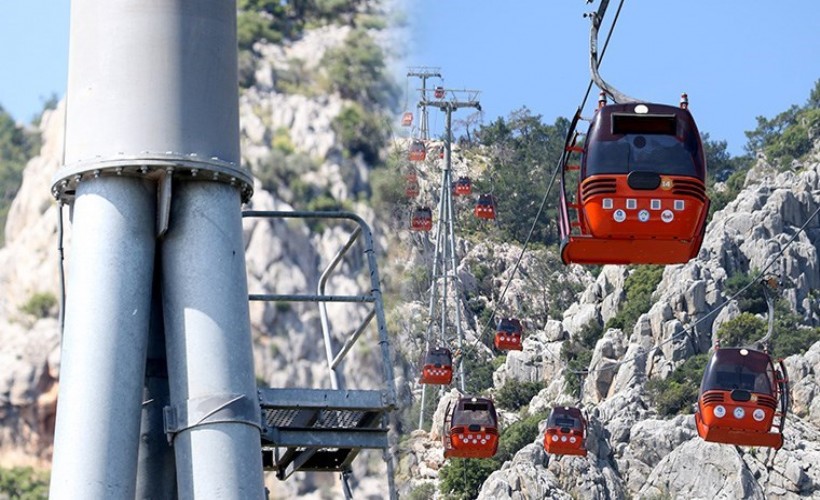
(461, 478)
(513, 395)
(678, 392)
(639, 286)
(786, 136)
(357, 71)
(40, 305)
(424, 491)
(478, 372)
(741, 330)
(516, 436)
(577, 353)
(790, 335)
(388, 190)
(252, 27)
(753, 299)
(23, 483)
(282, 141)
(282, 169)
(16, 147)
(360, 131)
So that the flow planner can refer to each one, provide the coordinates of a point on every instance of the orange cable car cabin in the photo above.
(485, 207)
(508, 335)
(422, 219)
(411, 183)
(407, 119)
(470, 429)
(641, 196)
(743, 399)
(411, 190)
(566, 432)
(418, 152)
(438, 367)
(463, 187)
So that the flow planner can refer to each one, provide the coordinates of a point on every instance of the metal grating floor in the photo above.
(319, 430)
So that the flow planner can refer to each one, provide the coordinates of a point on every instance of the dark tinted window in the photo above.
(728, 369)
(665, 141)
(623, 123)
(565, 417)
(478, 413)
(565, 422)
(438, 358)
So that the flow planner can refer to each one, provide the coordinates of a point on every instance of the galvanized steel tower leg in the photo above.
(208, 337)
(104, 344)
(156, 471)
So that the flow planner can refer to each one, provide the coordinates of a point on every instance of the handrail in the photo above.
(375, 296)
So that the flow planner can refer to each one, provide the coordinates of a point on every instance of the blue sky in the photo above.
(33, 54)
(737, 59)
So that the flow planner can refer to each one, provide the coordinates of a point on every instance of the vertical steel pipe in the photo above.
(105, 340)
(153, 99)
(156, 470)
(208, 338)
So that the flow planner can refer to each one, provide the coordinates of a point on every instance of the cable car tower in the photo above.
(445, 251)
(423, 73)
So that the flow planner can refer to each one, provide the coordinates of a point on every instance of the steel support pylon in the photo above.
(446, 249)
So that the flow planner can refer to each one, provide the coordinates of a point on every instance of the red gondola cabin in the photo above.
(407, 119)
(439, 92)
(418, 152)
(485, 207)
(508, 335)
(463, 187)
(743, 399)
(641, 195)
(411, 189)
(566, 432)
(470, 429)
(438, 367)
(422, 219)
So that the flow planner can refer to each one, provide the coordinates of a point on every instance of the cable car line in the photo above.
(558, 166)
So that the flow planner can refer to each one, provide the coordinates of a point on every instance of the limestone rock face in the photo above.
(523, 477)
(29, 346)
(702, 470)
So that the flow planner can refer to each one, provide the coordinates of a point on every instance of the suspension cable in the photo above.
(557, 169)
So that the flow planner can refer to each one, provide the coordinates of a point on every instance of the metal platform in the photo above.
(309, 429)
(319, 429)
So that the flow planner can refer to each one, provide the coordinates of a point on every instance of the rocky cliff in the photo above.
(635, 451)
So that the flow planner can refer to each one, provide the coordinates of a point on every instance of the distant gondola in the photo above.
(566, 432)
(422, 219)
(470, 429)
(463, 187)
(508, 335)
(485, 207)
(418, 151)
(437, 367)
